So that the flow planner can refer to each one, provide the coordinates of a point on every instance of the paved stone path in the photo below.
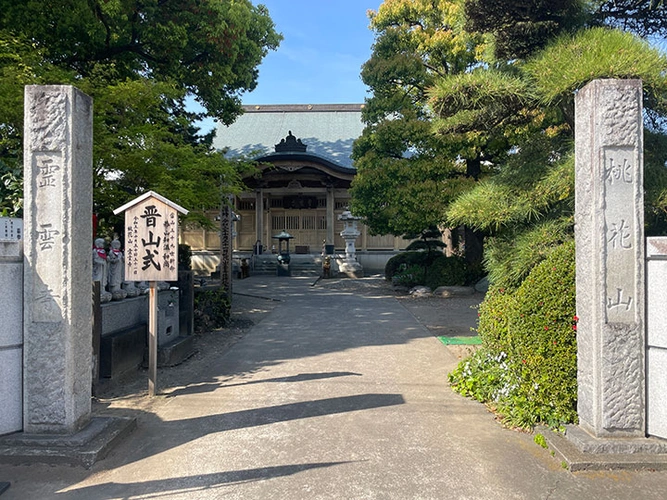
(334, 394)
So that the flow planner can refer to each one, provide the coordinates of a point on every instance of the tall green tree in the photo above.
(543, 52)
(526, 208)
(406, 175)
(139, 60)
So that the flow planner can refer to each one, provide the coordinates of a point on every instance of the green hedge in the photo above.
(527, 367)
(432, 270)
(212, 309)
(401, 261)
(446, 271)
(409, 276)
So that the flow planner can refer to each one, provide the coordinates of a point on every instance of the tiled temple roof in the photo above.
(328, 130)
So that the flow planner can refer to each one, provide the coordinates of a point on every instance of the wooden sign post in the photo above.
(151, 254)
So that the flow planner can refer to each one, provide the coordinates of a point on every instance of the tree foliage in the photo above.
(139, 60)
(526, 208)
(406, 175)
(521, 27)
(510, 108)
(646, 18)
(210, 48)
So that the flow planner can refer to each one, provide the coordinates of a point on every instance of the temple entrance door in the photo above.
(309, 227)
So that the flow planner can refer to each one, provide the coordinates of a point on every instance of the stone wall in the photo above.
(656, 335)
(11, 336)
(123, 330)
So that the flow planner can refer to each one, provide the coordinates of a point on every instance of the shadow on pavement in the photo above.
(302, 377)
(175, 433)
(188, 484)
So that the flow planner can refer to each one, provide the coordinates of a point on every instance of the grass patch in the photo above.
(462, 340)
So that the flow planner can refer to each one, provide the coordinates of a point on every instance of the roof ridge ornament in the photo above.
(290, 143)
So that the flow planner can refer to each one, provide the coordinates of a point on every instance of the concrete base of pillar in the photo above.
(84, 448)
(351, 269)
(176, 351)
(581, 451)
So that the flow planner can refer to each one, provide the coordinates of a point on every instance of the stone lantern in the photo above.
(349, 265)
(283, 253)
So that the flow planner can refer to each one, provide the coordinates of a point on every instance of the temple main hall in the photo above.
(305, 169)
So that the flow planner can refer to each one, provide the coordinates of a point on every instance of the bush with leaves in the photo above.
(430, 269)
(528, 368)
(409, 276)
(446, 271)
(212, 309)
(401, 261)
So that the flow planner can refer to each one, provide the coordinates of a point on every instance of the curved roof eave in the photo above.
(310, 157)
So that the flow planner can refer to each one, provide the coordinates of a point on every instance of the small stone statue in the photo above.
(116, 265)
(130, 289)
(326, 267)
(143, 287)
(100, 268)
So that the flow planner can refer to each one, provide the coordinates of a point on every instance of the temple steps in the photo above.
(308, 264)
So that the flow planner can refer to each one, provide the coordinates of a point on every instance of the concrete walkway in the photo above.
(332, 395)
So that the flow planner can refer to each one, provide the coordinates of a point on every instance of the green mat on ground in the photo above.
(460, 340)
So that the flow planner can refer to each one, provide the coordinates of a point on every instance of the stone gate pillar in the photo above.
(57, 267)
(610, 258)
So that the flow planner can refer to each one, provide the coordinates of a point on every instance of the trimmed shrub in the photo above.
(436, 270)
(493, 314)
(405, 259)
(528, 367)
(409, 276)
(446, 271)
(212, 309)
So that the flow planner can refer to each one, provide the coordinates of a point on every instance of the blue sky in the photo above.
(319, 60)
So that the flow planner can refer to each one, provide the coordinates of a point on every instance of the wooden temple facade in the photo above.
(305, 171)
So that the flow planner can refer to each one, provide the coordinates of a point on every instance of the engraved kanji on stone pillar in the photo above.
(226, 251)
(610, 258)
(58, 234)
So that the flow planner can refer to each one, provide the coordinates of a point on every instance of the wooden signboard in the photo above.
(151, 254)
(151, 238)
